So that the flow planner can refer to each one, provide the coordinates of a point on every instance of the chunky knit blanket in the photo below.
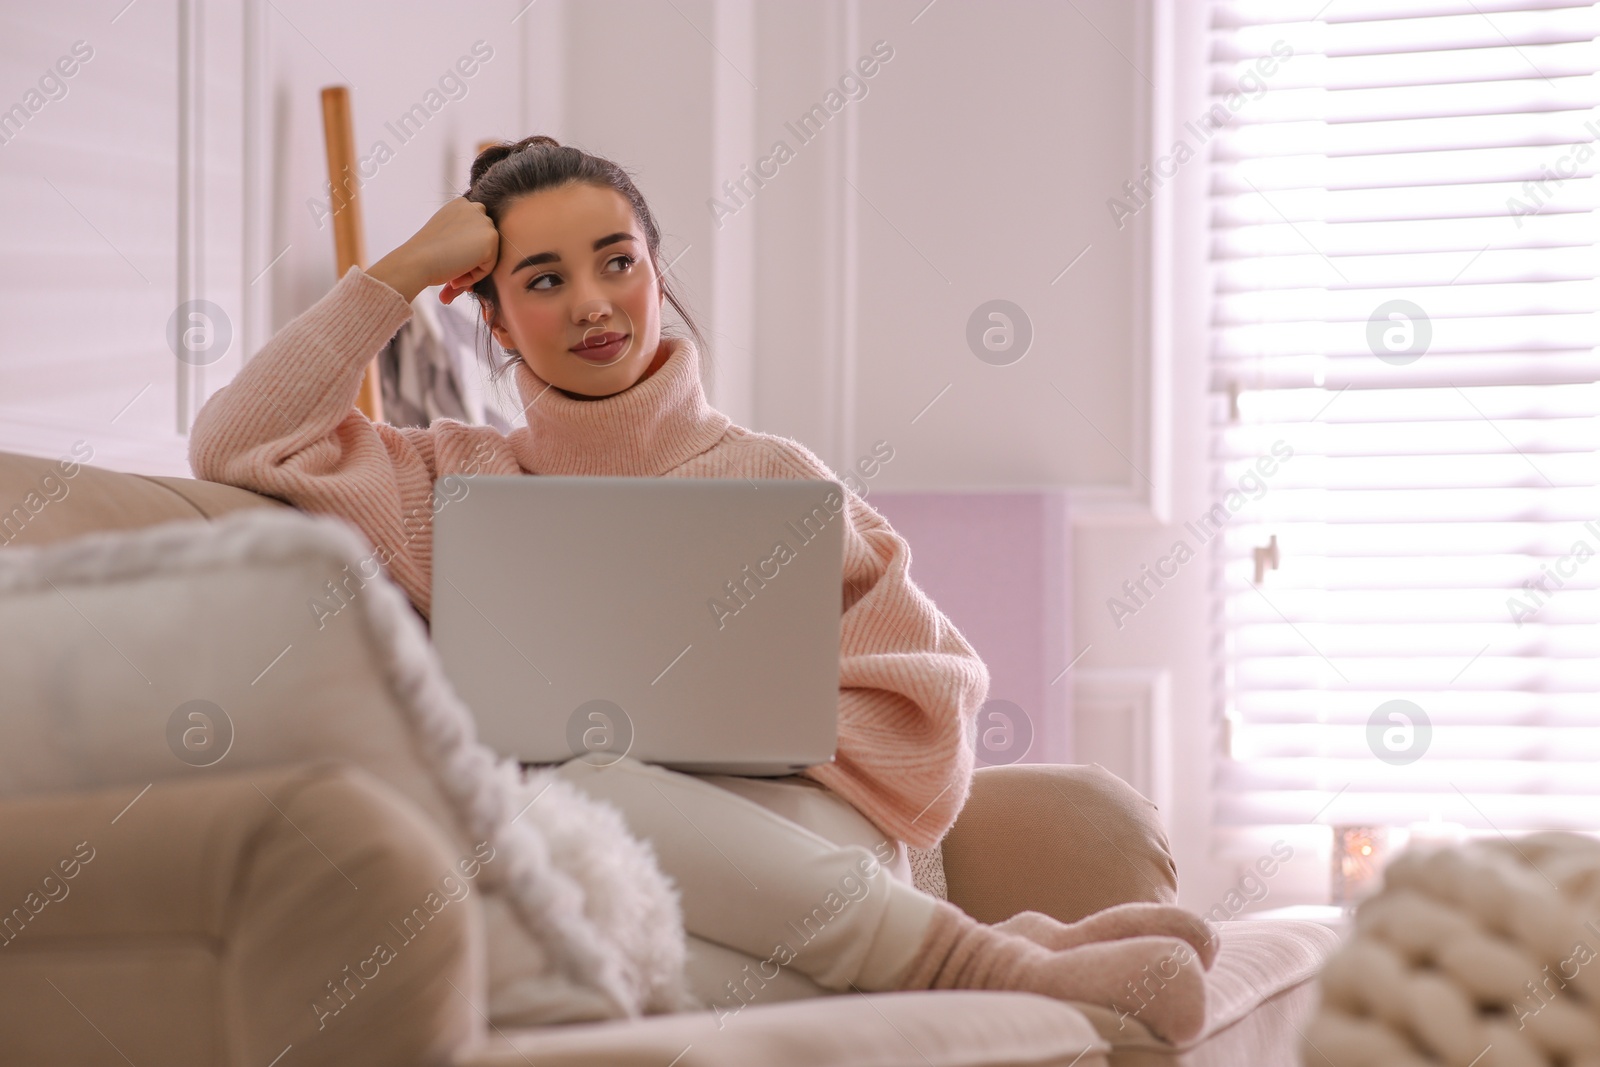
(1483, 955)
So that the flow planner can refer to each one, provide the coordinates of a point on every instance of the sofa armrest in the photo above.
(225, 918)
(45, 500)
(1064, 840)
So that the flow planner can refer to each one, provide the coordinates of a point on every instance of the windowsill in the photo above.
(132, 450)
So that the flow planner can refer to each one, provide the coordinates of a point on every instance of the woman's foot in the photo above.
(1153, 980)
(1115, 924)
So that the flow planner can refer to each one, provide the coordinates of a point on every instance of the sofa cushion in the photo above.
(935, 1029)
(190, 648)
(1261, 985)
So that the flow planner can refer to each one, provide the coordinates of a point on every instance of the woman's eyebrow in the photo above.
(553, 257)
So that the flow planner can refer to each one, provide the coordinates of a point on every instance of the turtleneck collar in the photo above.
(646, 430)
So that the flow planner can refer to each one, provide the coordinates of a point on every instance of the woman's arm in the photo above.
(910, 685)
(287, 424)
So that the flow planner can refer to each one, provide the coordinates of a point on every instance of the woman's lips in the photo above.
(602, 353)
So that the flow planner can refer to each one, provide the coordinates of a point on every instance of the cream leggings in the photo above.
(788, 891)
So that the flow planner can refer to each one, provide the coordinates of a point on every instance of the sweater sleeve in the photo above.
(287, 426)
(910, 685)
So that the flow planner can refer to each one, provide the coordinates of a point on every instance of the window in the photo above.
(1404, 374)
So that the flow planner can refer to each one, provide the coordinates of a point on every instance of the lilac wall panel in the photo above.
(997, 564)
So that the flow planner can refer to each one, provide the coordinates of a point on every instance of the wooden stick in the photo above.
(349, 243)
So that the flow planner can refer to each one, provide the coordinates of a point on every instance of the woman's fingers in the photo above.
(458, 285)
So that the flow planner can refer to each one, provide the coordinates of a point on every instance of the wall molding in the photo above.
(254, 177)
(732, 249)
(116, 448)
(1137, 502)
(191, 236)
(841, 226)
(1122, 720)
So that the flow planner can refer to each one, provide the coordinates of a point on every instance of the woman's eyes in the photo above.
(535, 283)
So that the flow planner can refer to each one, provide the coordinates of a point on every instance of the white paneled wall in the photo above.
(985, 151)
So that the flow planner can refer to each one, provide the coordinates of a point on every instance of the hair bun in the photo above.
(496, 152)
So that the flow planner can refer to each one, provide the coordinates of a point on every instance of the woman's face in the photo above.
(574, 270)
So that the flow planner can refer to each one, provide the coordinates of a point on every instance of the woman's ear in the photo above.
(498, 332)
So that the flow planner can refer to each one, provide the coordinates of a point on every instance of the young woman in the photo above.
(776, 877)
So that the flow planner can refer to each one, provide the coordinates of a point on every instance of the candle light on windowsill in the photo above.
(1359, 853)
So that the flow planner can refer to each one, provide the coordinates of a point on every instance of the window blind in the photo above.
(1403, 253)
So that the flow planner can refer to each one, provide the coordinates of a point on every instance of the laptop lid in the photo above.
(692, 623)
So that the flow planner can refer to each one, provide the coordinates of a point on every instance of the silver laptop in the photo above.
(692, 623)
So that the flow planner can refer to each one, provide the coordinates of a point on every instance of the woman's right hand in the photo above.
(456, 248)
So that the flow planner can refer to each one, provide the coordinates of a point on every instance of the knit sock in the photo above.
(1150, 979)
(1114, 924)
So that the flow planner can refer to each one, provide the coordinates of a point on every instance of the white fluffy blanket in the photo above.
(581, 921)
(1486, 955)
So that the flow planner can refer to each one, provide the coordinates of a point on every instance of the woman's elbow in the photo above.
(206, 460)
(938, 812)
(209, 441)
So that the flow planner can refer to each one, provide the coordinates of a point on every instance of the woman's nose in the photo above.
(591, 311)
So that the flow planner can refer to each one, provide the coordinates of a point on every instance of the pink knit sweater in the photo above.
(287, 426)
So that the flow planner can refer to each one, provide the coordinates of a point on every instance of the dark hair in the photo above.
(504, 172)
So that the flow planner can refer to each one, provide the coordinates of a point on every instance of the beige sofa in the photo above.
(197, 932)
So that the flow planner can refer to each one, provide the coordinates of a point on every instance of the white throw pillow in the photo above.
(193, 647)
